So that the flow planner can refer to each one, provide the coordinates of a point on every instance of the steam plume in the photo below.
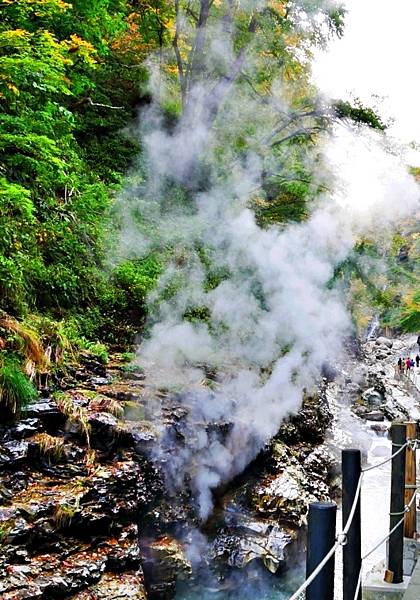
(272, 319)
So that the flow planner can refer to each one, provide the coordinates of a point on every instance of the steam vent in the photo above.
(209, 300)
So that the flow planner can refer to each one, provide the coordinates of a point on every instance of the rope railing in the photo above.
(341, 538)
(366, 469)
(316, 572)
(382, 541)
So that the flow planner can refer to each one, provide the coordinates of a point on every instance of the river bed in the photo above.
(348, 431)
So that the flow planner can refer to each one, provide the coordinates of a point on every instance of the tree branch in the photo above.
(180, 64)
(199, 41)
(305, 131)
(92, 103)
(219, 91)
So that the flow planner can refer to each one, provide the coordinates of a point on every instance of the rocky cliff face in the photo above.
(68, 509)
(85, 513)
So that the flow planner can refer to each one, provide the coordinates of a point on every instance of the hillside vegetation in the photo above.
(73, 82)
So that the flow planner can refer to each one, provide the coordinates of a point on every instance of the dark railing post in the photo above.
(321, 538)
(352, 553)
(396, 539)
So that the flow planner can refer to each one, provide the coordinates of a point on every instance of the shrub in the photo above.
(16, 391)
(99, 351)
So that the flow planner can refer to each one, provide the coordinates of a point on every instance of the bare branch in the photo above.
(299, 133)
(180, 64)
(199, 41)
(191, 13)
(219, 91)
(297, 116)
(92, 103)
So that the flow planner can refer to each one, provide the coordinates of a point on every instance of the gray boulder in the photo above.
(373, 397)
(384, 341)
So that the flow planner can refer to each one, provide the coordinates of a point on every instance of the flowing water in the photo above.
(373, 328)
(266, 588)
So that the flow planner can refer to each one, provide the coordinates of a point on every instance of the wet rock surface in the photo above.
(86, 514)
(373, 385)
(261, 519)
(69, 509)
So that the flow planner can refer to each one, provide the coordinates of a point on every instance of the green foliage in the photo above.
(16, 391)
(359, 113)
(128, 357)
(410, 318)
(197, 314)
(99, 351)
(136, 278)
(67, 90)
(70, 87)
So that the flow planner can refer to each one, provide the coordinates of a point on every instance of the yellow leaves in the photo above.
(15, 38)
(80, 47)
(411, 301)
(44, 8)
(262, 202)
(172, 69)
(7, 84)
(12, 88)
(17, 33)
(278, 6)
(131, 43)
(292, 40)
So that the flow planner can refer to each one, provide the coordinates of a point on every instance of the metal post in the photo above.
(396, 540)
(321, 538)
(352, 552)
(410, 483)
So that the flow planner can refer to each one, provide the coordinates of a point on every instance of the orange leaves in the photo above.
(83, 49)
(278, 6)
(131, 43)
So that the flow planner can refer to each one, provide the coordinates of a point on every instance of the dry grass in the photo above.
(50, 446)
(31, 345)
(65, 511)
(108, 405)
(74, 413)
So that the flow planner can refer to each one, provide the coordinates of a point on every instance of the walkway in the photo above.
(413, 590)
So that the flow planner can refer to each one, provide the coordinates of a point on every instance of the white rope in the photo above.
(341, 541)
(354, 505)
(316, 572)
(406, 509)
(383, 540)
(359, 583)
(341, 538)
(387, 460)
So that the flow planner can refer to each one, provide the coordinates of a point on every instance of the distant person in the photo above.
(418, 361)
(408, 364)
(411, 363)
(400, 364)
(418, 342)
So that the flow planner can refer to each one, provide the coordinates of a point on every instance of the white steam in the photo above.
(273, 321)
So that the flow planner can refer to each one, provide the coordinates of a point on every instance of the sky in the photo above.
(378, 55)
